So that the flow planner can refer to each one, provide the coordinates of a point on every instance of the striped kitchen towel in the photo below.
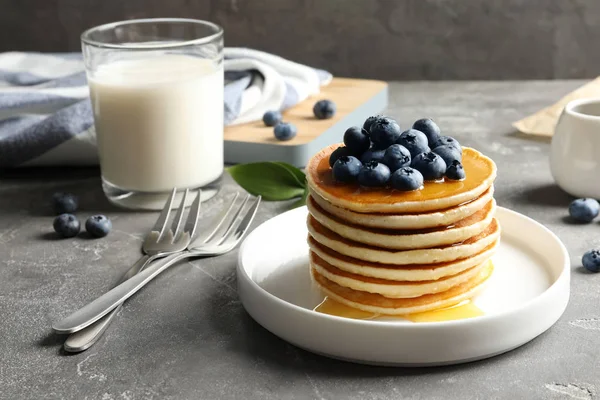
(46, 117)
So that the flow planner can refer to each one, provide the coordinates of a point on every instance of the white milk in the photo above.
(159, 122)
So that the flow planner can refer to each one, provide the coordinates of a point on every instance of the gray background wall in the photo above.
(384, 39)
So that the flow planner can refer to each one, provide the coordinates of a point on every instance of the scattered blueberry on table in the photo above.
(324, 109)
(66, 225)
(384, 132)
(584, 210)
(285, 131)
(98, 226)
(429, 128)
(64, 203)
(455, 171)
(415, 141)
(271, 118)
(406, 179)
(374, 174)
(357, 140)
(346, 169)
(591, 261)
(430, 165)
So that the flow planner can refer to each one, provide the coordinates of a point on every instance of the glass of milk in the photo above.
(156, 88)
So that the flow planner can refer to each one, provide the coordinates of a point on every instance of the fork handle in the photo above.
(85, 338)
(88, 336)
(98, 308)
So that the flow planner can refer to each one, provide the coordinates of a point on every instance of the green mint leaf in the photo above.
(300, 176)
(301, 201)
(271, 180)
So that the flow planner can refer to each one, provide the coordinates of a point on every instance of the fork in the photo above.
(225, 233)
(159, 242)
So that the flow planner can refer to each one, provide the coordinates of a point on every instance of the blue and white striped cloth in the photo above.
(46, 117)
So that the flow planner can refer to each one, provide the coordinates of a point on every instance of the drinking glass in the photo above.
(156, 89)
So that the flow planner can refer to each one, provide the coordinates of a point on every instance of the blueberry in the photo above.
(98, 225)
(357, 140)
(455, 171)
(384, 132)
(285, 131)
(584, 210)
(591, 260)
(406, 179)
(447, 140)
(372, 155)
(429, 128)
(396, 156)
(337, 153)
(64, 203)
(324, 109)
(374, 174)
(272, 118)
(415, 141)
(430, 165)
(370, 121)
(449, 153)
(66, 225)
(346, 169)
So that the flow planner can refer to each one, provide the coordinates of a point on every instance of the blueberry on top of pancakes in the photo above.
(447, 140)
(337, 153)
(384, 132)
(346, 169)
(415, 141)
(430, 165)
(429, 128)
(374, 174)
(357, 140)
(396, 156)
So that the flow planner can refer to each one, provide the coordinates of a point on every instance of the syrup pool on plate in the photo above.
(462, 310)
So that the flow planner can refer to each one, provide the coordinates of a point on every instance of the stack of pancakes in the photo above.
(397, 253)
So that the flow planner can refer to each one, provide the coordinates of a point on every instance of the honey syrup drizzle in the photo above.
(478, 169)
(463, 310)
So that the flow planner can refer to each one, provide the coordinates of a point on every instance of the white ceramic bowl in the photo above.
(527, 293)
(575, 149)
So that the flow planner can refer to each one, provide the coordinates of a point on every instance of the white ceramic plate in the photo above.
(527, 293)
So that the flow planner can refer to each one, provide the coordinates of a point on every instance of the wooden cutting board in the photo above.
(356, 99)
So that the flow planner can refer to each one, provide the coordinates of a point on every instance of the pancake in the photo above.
(406, 239)
(339, 244)
(444, 217)
(390, 288)
(378, 304)
(412, 272)
(480, 171)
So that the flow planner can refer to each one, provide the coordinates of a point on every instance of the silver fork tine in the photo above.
(176, 225)
(219, 236)
(234, 235)
(192, 219)
(217, 222)
(161, 222)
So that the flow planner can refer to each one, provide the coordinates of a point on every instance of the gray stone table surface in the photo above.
(187, 336)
